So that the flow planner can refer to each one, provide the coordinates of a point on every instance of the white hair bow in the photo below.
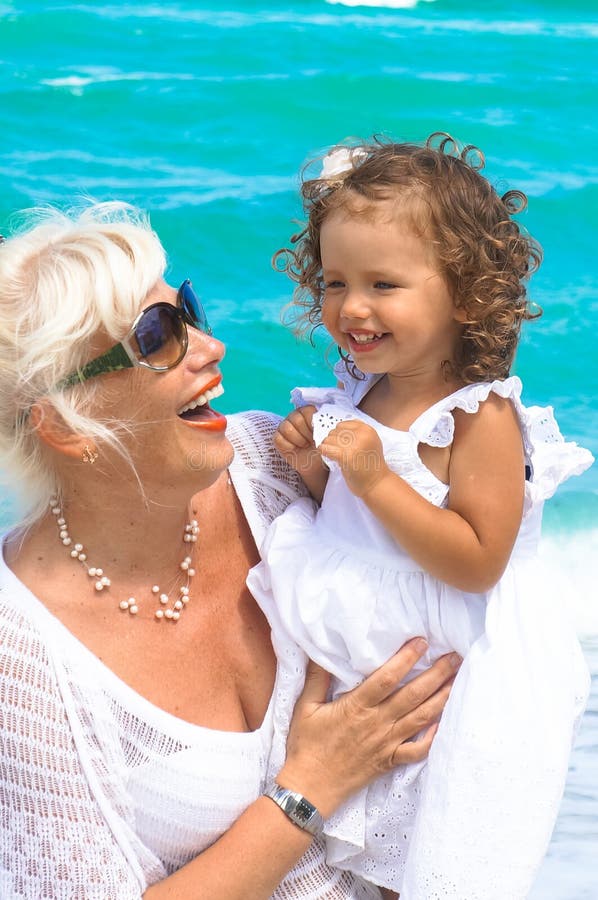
(340, 161)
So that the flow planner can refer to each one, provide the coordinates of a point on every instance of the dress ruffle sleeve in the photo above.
(551, 459)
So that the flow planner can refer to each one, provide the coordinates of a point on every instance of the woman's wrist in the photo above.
(318, 791)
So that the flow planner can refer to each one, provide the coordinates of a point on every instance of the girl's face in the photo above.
(384, 300)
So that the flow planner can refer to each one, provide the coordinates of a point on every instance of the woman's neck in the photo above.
(126, 536)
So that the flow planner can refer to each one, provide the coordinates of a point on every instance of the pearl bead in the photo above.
(130, 605)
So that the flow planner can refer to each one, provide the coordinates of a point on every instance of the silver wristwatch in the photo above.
(299, 810)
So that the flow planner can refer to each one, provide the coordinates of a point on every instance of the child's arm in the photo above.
(294, 441)
(468, 544)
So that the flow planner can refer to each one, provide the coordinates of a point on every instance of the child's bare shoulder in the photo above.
(494, 416)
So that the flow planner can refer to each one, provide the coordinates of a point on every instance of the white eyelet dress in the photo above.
(102, 794)
(474, 823)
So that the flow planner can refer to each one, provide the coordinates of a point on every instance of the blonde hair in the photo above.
(65, 276)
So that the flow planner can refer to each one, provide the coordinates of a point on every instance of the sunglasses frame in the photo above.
(123, 356)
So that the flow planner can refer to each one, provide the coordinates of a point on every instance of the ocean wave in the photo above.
(534, 179)
(390, 4)
(571, 558)
(87, 77)
(232, 19)
(170, 187)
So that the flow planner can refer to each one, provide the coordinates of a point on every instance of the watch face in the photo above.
(304, 809)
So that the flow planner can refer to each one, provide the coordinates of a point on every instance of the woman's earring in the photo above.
(89, 455)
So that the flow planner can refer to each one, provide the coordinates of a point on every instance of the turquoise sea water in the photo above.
(203, 115)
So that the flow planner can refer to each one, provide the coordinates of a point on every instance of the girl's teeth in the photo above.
(366, 338)
(203, 398)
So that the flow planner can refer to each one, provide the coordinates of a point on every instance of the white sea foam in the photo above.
(242, 20)
(390, 4)
(88, 76)
(572, 557)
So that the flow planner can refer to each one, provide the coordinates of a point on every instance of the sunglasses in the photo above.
(158, 339)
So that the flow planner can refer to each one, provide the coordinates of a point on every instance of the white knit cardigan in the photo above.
(69, 746)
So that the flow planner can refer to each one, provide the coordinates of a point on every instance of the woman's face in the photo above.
(175, 437)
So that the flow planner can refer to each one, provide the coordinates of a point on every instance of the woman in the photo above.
(140, 685)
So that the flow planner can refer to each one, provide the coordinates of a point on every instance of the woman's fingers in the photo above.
(424, 686)
(409, 724)
(385, 680)
(414, 751)
(383, 683)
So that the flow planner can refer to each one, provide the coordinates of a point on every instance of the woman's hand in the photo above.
(334, 749)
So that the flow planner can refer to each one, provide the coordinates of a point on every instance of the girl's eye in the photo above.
(330, 285)
(385, 285)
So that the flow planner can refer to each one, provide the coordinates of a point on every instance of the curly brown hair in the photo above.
(484, 256)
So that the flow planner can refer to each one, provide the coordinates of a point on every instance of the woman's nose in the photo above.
(204, 346)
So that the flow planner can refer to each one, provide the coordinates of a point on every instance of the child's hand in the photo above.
(294, 439)
(357, 449)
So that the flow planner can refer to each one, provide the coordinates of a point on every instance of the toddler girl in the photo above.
(431, 475)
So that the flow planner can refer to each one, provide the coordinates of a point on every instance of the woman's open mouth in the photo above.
(198, 412)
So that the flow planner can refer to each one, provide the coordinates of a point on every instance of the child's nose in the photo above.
(355, 305)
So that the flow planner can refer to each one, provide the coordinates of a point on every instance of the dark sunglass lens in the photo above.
(160, 336)
(192, 307)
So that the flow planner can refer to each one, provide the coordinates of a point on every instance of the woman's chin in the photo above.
(211, 459)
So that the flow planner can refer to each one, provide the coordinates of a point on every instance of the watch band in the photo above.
(298, 809)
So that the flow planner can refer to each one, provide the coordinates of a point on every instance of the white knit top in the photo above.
(102, 793)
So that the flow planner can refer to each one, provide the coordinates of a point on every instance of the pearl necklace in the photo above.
(167, 609)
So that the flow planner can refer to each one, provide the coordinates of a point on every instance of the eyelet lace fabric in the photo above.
(103, 794)
(458, 827)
